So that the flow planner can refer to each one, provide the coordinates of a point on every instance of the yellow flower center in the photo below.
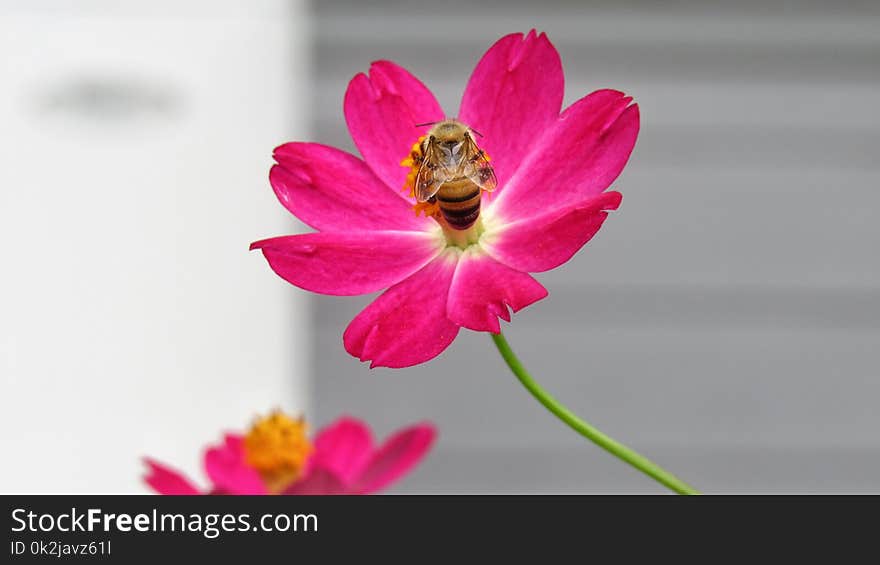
(277, 447)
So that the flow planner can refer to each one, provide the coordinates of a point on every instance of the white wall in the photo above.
(135, 144)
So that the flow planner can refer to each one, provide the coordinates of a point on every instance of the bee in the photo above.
(453, 173)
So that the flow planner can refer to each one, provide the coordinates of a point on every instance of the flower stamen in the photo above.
(429, 209)
(413, 161)
(277, 447)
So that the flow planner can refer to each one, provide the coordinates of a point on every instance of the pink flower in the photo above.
(552, 169)
(276, 457)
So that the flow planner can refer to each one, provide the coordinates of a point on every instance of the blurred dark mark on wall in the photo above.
(109, 99)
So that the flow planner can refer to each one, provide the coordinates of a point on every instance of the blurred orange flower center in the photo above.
(277, 447)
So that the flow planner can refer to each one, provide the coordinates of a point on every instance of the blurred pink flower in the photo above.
(276, 457)
(552, 168)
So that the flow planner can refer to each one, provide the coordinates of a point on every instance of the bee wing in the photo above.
(429, 178)
(477, 167)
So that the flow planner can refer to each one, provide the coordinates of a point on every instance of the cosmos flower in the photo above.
(276, 457)
(552, 168)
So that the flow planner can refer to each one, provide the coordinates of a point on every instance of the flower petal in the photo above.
(514, 93)
(166, 480)
(397, 456)
(544, 242)
(382, 111)
(330, 189)
(343, 449)
(318, 481)
(407, 324)
(228, 470)
(482, 289)
(580, 156)
(346, 264)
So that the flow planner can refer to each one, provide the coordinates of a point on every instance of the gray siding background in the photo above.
(726, 320)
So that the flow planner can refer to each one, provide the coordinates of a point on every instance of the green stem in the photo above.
(613, 447)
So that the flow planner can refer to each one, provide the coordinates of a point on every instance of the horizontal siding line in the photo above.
(463, 449)
(717, 130)
(783, 64)
(766, 104)
(683, 307)
(647, 7)
(774, 188)
(702, 147)
(734, 465)
(589, 26)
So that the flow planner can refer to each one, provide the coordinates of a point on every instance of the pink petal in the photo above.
(407, 324)
(579, 157)
(546, 241)
(343, 449)
(514, 94)
(482, 289)
(329, 189)
(227, 469)
(350, 263)
(166, 480)
(382, 111)
(397, 456)
(318, 481)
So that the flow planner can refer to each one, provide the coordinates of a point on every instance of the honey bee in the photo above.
(453, 173)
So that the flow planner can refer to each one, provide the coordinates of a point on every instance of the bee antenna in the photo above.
(476, 132)
(426, 124)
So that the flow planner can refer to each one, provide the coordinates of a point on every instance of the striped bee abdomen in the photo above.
(459, 202)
